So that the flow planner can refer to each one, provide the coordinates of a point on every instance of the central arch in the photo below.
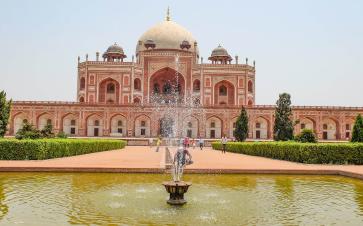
(109, 91)
(165, 85)
(224, 93)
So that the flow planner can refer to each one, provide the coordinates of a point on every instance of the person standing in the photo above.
(193, 143)
(201, 143)
(151, 142)
(224, 143)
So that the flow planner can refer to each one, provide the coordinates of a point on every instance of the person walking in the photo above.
(201, 143)
(224, 141)
(158, 142)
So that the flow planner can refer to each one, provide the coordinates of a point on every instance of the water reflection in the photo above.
(4, 209)
(358, 187)
(139, 199)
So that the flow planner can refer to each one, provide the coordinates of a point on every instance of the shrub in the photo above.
(47, 131)
(62, 135)
(306, 136)
(12, 149)
(319, 153)
(28, 132)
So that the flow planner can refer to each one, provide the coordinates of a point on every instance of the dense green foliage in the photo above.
(28, 131)
(283, 127)
(12, 149)
(4, 113)
(357, 135)
(319, 153)
(47, 131)
(306, 136)
(241, 131)
(62, 135)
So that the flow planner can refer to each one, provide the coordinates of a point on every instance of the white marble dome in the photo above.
(166, 35)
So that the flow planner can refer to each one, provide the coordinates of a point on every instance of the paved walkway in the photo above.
(144, 159)
(132, 158)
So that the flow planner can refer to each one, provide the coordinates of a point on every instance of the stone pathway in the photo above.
(146, 160)
(132, 158)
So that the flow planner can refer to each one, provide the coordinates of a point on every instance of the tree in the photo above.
(241, 131)
(357, 135)
(283, 128)
(4, 113)
(306, 136)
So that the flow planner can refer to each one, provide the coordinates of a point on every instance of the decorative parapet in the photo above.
(206, 107)
(104, 63)
(226, 66)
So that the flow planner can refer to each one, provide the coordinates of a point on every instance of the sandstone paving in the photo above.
(145, 159)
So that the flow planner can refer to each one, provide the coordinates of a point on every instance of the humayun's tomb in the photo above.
(125, 98)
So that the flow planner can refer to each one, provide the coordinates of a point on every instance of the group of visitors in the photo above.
(187, 142)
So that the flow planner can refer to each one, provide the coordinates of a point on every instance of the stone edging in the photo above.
(187, 171)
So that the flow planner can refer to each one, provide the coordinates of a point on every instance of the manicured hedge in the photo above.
(321, 153)
(12, 149)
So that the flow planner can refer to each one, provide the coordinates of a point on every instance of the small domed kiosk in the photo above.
(220, 55)
(114, 53)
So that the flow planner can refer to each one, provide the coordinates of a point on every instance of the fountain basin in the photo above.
(176, 189)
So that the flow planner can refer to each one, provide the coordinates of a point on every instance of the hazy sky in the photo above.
(312, 49)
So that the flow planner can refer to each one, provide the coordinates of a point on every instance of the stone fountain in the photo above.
(176, 189)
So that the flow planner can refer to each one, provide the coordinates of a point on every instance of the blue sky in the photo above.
(312, 49)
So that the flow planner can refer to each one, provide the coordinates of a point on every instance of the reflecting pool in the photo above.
(140, 199)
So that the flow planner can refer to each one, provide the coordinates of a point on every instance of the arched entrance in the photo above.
(166, 86)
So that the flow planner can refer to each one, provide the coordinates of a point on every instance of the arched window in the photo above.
(137, 100)
(167, 88)
(73, 122)
(137, 84)
(156, 88)
(110, 88)
(212, 125)
(190, 125)
(250, 102)
(222, 90)
(119, 123)
(196, 85)
(250, 86)
(143, 123)
(25, 120)
(97, 122)
(81, 99)
(49, 121)
(82, 83)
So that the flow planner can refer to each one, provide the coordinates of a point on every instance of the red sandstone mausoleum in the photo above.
(116, 97)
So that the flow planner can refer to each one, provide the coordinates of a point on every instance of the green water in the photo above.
(139, 199)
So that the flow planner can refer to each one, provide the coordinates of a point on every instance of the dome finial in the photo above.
(167, 14)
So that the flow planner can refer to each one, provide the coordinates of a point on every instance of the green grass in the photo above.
(13, 149)
(318, 153)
